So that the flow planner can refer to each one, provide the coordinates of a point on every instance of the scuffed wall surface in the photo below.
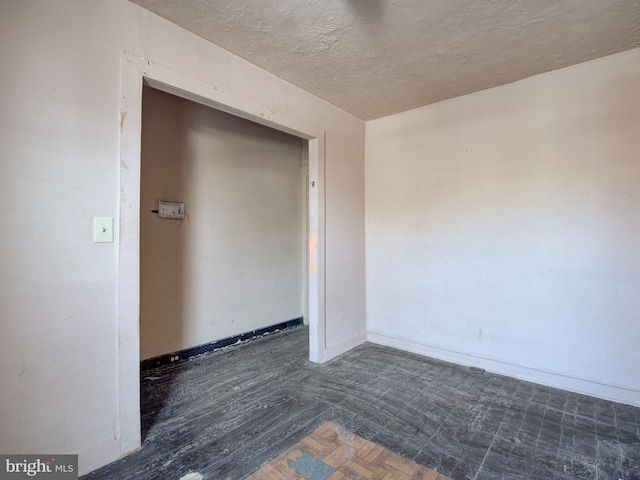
(502, 228)
(59, 143)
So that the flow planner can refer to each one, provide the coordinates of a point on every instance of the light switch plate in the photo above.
(102, 229)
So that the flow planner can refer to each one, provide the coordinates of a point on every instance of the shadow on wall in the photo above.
(161, 240)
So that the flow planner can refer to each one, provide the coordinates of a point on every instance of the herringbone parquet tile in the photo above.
(333, 453)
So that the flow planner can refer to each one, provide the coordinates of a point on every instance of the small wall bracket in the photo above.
(171, 209)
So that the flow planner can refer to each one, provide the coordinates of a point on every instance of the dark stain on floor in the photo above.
(226, 414)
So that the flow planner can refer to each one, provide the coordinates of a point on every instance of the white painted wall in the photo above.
(61, 72)
(503, 229)
(235, 263)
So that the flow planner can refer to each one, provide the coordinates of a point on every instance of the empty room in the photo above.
(321, 240)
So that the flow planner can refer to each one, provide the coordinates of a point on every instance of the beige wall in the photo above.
(503, 229)
(235, 263)
(61, 76)
(502, 224)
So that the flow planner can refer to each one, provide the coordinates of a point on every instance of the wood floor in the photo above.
(226, 414)
(332, 452)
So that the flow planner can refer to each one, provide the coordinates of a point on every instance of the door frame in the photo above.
(304, 193)
(136, 72)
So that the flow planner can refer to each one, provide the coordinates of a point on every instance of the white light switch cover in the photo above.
(102, 229)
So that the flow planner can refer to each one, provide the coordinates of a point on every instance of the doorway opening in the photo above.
(138, 72)
(231, 266)
(234, 264)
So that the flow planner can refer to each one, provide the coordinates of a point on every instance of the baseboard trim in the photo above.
(614, 393)
(191, 352)
(96, 456)
(344, 346)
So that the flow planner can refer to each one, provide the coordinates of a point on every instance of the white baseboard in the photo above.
(99, 455)
(333, 351)
(615, 393)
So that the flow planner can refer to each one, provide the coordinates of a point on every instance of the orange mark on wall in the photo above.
(313, 250)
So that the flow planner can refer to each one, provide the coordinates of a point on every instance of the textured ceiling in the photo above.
(379, 57)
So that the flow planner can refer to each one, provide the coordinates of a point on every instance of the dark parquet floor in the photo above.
(224, 415)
